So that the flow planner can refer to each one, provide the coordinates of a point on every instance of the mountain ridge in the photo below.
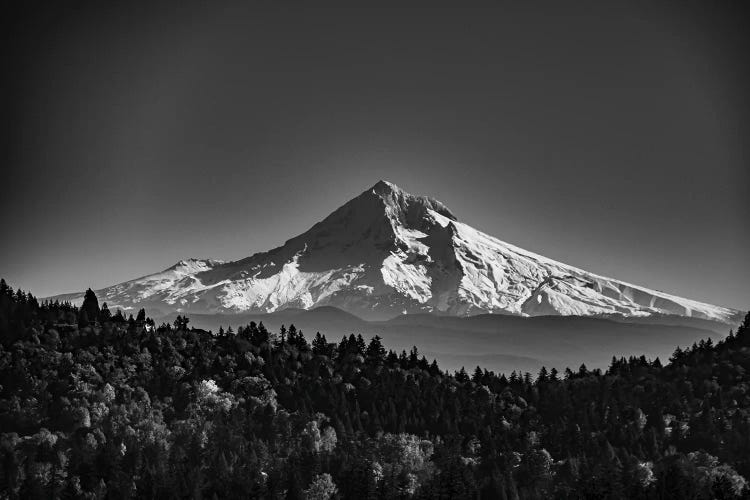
(504, 342)
(387, 252)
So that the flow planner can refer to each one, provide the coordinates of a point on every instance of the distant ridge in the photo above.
(499, 342)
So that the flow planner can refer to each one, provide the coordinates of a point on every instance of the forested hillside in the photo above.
(97, 405)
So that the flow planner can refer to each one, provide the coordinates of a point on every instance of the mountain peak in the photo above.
(382, 183)
(386, 252)
(383, 187)
(404, 202)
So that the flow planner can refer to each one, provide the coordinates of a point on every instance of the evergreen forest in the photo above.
(98, 404)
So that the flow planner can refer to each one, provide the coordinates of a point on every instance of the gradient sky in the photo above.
(610, 137)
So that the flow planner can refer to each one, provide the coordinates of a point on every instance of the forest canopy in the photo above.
(100, 404)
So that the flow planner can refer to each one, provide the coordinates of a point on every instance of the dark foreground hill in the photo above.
(94, 405)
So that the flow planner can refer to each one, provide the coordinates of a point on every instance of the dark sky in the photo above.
(611, 136)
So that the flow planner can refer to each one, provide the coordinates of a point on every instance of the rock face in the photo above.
(385, 253)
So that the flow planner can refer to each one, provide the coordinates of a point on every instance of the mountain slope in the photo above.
(387, 252)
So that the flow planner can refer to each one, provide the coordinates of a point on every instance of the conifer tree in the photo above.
(104, 314)
(375, 350)
(83, 318)
(90, 305)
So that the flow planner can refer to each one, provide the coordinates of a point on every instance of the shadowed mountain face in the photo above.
(386, 253)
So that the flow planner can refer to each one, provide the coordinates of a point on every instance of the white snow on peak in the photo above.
(386, 252)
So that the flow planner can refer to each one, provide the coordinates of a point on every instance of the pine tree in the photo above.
(742, 336)
(477, 377)
(90, 305)
(320, 344)
(83, 318)
(375, 351)
(543, 376)
(104, 314)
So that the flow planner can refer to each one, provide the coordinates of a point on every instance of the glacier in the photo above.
(385, 253)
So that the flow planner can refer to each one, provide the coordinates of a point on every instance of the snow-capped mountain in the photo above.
(387, 252)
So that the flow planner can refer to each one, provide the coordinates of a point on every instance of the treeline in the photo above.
(99, 405)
